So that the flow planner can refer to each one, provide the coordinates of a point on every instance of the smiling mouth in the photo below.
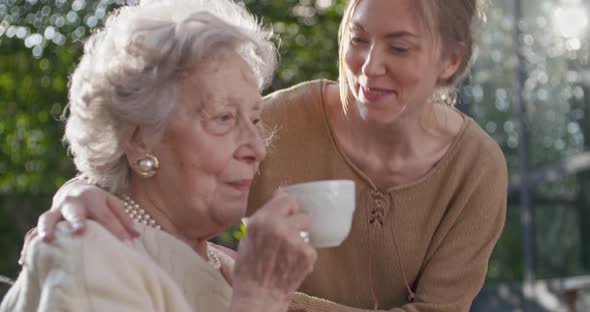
(374, 94)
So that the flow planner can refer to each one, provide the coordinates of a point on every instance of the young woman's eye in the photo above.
(357, 40)
(255, 121)
(400, 49)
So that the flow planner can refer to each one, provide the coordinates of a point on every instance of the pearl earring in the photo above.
(146, 165)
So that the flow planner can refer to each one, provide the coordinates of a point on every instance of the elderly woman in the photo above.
(164, 112)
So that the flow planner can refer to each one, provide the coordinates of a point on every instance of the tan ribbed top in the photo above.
(438, 231)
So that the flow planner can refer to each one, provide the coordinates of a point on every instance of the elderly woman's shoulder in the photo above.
(92, 271)
(67, 248)
(71, 254)
(64, 273)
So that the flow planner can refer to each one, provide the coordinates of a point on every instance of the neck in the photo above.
(404, 138)
(396, 153)
(143, 192)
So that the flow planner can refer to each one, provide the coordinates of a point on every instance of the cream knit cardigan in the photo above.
(97, 272)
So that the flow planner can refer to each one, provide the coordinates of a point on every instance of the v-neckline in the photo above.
(441, 163)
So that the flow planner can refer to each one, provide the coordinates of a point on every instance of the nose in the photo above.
(253, 147)
(373, 64)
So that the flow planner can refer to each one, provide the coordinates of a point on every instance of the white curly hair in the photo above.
(129, 69)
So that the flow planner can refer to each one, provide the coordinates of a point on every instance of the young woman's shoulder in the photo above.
(294, 93)
(482, 150)
(301, 99)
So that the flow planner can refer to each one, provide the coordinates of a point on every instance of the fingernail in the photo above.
(43, 235)
(21, 262)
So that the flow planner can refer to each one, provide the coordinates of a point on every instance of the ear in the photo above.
(451, 61)
(133, 143)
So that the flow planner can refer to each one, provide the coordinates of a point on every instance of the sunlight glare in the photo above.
(570, 21)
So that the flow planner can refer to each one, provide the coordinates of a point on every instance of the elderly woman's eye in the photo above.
(227, 117)
(221, 124)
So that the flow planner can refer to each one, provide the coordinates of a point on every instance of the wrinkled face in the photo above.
(392, 60)
(212, 147)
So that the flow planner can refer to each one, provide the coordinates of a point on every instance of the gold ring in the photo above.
(305, 236)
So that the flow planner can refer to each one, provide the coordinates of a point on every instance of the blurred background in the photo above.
(529, 89)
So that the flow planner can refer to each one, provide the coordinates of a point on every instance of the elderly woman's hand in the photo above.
(273, 259)
(77, 201)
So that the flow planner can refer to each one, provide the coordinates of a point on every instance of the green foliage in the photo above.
(307, 50)
(34, 94)
(34, 71)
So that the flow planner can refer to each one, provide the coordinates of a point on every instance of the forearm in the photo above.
(252, 301)
(305, 303)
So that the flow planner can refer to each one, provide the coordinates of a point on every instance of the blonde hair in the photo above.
(129, 70)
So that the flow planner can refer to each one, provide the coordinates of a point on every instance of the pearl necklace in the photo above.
(141, 216)
(138, 214)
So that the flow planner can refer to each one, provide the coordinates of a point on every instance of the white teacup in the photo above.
(330, 205)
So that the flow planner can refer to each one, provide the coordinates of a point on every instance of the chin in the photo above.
(380, 116)
(229, 213)
(383, 119)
